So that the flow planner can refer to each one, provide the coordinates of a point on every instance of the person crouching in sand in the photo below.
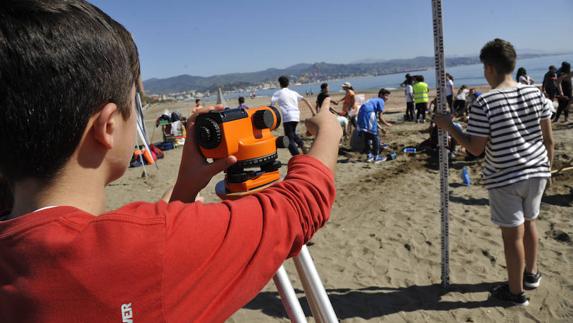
(367, 124)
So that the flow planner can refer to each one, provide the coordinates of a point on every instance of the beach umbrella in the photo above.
(442, 136)
(141, 131)
(221, 98)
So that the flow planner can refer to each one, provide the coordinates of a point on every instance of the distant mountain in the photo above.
(303, 73)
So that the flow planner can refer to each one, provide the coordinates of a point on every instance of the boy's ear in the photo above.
(104, 125)
(490, 69)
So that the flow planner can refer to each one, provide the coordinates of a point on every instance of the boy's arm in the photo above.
(380, 110)
(559, 87)
(546, 131)
(474, 144)
(383, 121)
(219, 256)
(548, 139)
(274, 100)
(308, 105)
(342, 99)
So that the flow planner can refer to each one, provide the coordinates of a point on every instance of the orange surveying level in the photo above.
(245, 134)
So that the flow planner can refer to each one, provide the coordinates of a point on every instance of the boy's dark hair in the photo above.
(60, 63)
(420, 78)
(500, 54)
(197, 100)
(132, 52)
(283, 81)
(241, 100)
(383, 92)
(408, 80)
(520, 72)
(323, 86)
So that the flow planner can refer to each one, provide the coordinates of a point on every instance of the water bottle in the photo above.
(466, 176)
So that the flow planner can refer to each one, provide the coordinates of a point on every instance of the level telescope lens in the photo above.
(278, 116)
(263, 119)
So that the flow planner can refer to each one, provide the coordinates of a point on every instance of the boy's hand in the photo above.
(327, 131)
(386, 123)
(443, 121)
(197, 111)
(194, 171)
(323, 119)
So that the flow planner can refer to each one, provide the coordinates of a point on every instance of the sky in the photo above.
(206, 37)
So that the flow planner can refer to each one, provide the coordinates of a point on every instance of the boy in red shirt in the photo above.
(67, 83)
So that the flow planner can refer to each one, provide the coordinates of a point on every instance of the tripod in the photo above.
(315, 293)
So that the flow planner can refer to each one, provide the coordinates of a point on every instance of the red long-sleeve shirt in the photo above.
(157, 262)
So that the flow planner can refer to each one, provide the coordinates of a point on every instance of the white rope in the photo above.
(443, 137)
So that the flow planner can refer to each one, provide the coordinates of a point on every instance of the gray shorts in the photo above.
(513, 204)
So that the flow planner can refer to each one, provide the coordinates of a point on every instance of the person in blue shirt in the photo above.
(367, 124)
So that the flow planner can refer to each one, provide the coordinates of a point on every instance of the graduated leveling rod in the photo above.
(443, 137)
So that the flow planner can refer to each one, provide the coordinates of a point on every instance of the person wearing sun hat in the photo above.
(349, 106)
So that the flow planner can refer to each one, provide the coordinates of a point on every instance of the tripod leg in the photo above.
(288, 297)
(320, 305)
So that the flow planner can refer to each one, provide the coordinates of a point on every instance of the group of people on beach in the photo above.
(557, 86)
(510, 125)
(364, 117)
(66, 258)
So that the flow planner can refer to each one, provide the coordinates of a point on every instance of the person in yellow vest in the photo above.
(421, 98)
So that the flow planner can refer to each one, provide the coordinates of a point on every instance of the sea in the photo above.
(469, 75)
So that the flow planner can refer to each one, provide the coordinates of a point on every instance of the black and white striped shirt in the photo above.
(510, 118)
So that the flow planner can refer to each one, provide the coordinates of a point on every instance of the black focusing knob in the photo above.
(263, 119)
(238, 177)
(270, 167)
(208, 133)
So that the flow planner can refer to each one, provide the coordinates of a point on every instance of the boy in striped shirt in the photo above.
(512, 124)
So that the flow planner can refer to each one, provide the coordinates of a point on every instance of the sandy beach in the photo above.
(379, 255)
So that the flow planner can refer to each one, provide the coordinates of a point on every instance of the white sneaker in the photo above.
(378, 159)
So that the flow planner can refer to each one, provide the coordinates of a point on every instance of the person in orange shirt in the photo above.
(349, 106)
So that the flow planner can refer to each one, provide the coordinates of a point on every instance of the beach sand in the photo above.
(379, 255)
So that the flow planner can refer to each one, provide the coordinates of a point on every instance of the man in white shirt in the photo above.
(409, 94)
(450, 90)
(287, 101)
